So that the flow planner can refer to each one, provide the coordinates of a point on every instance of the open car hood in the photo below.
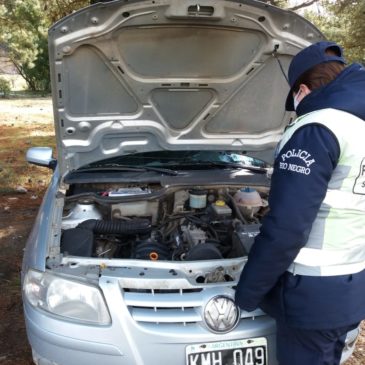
(142, 76)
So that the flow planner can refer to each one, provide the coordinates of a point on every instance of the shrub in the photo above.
(4, 87)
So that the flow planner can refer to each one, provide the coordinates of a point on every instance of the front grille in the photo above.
(177, 306)
(167, 307)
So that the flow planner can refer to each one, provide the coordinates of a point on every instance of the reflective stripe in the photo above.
(313, 257)
(299, 269)
(344, 200)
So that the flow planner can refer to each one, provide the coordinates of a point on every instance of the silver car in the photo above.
(167, 114)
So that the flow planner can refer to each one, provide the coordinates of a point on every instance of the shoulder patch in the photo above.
(289, 161)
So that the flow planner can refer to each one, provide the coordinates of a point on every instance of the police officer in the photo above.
(307, 266)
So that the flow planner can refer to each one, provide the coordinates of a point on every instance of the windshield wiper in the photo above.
(233, 165)
(118, 168)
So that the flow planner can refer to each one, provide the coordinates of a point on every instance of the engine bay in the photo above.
(169, 224)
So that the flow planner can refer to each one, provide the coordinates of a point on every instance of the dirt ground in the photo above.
(17, 213)
(25, 123)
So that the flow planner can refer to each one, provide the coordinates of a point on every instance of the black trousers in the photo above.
(297, 346)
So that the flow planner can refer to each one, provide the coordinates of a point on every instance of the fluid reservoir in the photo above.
(221, 209)
(249, 201)
(198, 198)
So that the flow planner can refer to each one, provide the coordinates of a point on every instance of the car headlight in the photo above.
(73, 300)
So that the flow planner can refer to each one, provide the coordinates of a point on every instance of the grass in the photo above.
(24, 123)
(25, 94)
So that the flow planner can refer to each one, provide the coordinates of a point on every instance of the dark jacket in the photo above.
(346, 92)
(304, 301)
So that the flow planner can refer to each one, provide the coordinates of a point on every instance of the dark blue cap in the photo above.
(308, 58)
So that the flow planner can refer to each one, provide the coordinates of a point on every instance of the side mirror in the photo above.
(41, 156)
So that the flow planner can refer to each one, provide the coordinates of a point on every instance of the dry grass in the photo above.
(24, 123)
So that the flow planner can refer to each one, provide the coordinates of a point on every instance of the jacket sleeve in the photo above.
(299, 183)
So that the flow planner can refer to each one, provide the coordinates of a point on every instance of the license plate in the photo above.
(252, 351)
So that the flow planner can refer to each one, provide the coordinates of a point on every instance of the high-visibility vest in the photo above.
(336, 243)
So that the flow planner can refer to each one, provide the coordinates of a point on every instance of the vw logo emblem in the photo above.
(221, 314)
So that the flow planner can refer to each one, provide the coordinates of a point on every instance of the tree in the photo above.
(4, 87)
(344, 22)
(24, 32)
(57, 9)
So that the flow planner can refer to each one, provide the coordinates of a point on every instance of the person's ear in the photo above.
(305, 90)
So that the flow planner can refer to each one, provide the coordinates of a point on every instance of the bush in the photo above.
(4, 87)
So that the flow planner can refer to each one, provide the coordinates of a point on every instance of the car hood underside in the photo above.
(171, 75)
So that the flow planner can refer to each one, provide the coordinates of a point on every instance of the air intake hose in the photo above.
(136, 226)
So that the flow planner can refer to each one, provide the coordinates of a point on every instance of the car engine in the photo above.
(176, 224)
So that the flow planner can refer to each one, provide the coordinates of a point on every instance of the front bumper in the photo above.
(128, 341)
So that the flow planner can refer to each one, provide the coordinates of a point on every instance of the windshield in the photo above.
(179, 160)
